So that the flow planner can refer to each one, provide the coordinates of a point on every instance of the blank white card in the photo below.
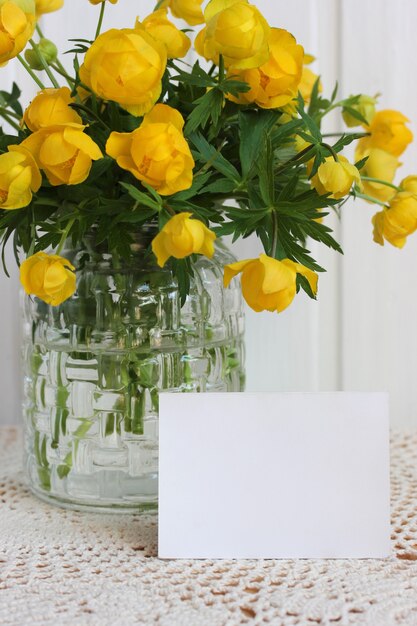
(278, 475)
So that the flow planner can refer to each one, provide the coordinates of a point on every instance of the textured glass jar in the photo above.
(95, 364)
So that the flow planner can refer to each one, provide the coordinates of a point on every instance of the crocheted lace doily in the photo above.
(60, 567)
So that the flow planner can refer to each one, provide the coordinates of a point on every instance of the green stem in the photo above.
(358, 135)
(275, 234)
(100, 19)
(58, 67)
(5, 115)
(29, 70)
(65, 468)
(63, 73)
(221, 68)
(96, 117)
(364, 196)
(39, 31)
(44, 64)
(330, 149)
(11, 113)
(32, 233)
(210, 162)
(64, 236)
(381, 182)
(63, 70)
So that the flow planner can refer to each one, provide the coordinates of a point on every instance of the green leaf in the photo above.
(234, 86)
(360, 164)
(183, 271)
(253, 125)
(153, 193)
(222, 185)
(211, 156)
(347, 139)
(311, 125)
(209, 107)
(265, 170)
(141, 197)
(197, 77)
(305, 285)
(99, 168)
(314, 97)
(355, 114)
(11, 100)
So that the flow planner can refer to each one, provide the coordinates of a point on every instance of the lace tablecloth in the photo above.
(60, 567)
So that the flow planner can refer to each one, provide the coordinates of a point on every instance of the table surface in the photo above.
(62, 567)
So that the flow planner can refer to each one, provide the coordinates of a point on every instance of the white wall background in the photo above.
(362, 332)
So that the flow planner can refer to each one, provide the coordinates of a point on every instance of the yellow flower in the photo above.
(409, 185)
(182, 236)
(276, 82)
(64, 153)
(334, 177)
(19, 176)
(268, 284)
(365, 106)
(50, 277)
(126, 66)
(156, 152)
(51, 107)
(17, 23)
(158, 25)
(236, 30)
(380, 165)
(101, 1)
(188, 10)
(400, 219)
(388, 132)
(47, 6)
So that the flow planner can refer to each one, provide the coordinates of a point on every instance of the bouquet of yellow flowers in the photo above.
(116, 188)
(228, 146)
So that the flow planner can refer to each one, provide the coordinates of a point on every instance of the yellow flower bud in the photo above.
(47, 49)
(156, 152)
(380, 165)
(365, 106)
(19, 176)
(101, 1)
(50, 277)
(126, 66)
(388, 131)
(268, 284)
(158, 25)
(49, 108)
(400, 219)
(64, 153)
(182, 236)
(188, 10)
(334, 177)
(236, 30)
(47, 6)
(276, 82)
(17, 23)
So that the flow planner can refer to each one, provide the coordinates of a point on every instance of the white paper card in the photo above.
(278, 475)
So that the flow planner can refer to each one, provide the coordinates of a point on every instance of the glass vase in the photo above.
(94, 366)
